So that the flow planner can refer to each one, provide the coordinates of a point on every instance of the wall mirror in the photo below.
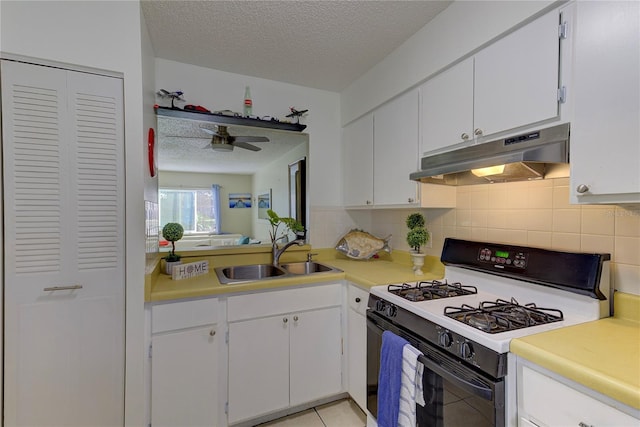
(185, 160)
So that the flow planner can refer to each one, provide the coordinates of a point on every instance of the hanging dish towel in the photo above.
(411, 392)
(389, 379)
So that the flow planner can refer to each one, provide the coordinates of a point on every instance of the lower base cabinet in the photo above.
(285, 349)
(185, 352)
(545, 401)
(357, 344)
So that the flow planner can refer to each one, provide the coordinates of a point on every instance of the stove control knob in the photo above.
(391, 310)
(445, 339)
(380, 305)
(466, 350)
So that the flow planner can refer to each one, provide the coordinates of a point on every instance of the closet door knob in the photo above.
(212, 332)
(295, 318)
(464, 136)
(285, 320)
(478, 132)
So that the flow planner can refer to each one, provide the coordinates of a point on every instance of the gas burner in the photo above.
(501, 316)
(434, 289)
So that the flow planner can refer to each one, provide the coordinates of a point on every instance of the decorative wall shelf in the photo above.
(222, 119)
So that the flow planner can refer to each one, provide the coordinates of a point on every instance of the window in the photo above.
(193, 209)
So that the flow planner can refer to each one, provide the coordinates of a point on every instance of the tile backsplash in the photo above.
(533, 213)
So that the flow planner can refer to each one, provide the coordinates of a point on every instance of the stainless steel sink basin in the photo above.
(308, 267)
(245, 273)
(253, 272)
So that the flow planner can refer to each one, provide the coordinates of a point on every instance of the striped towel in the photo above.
(411, 392)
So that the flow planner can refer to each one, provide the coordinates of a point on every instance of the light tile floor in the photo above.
(342, 413)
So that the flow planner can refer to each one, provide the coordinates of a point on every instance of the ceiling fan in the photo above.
(222, 141)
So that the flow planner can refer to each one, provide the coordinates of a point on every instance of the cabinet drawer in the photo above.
(270, 303)
(548, 402)
(184, 314)
(357, 298)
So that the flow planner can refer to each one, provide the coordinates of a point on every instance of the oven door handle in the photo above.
(478, 390)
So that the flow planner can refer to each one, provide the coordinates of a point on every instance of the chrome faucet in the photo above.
(278, 251)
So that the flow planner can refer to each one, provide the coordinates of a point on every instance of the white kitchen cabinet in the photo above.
(605, 130)
(395, 151)
(516, 78)
(357, 167)
(285, 349)
(510, 84)
(63, 187)
(357, 344)
(544, 401)
(446, 103)
(185, 352)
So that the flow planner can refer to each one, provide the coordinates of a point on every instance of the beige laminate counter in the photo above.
(603, 355)
(365, 273)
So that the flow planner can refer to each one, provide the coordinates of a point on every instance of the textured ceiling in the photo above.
(183, 146)
(318, 44)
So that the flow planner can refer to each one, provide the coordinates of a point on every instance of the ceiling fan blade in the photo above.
(185, 137)
(246, 146)
(250, 139)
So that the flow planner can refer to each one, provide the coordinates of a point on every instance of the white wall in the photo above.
(460, 29)
(275, 176)
(104, 35)
(218, 90)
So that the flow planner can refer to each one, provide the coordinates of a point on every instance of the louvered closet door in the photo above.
(62, 141)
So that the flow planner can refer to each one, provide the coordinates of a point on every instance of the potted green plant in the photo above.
(172, 232)
(290, 225)
(416, 238)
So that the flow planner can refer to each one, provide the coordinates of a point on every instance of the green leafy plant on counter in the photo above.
(172, 232)
(417, 235)
(290, 225)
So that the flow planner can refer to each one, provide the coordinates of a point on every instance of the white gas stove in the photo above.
(491, 294)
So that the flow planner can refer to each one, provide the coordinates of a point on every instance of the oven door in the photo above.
(455, 394)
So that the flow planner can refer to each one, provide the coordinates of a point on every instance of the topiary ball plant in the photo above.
(417, 235)
(172, 232)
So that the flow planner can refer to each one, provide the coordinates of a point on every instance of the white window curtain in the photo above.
(215, 207)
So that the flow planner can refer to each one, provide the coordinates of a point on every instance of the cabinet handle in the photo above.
(285, 320)
(357, 299)
(410, 200)
(212, 332)
(582, 188)
(368, 202)
(295, 318)
(477, 132)
(62, 288)
(464, 136)
(583, 424)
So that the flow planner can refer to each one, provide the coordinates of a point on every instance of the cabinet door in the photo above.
(258, 367)
(184, 378)
(446, 115)
(357, 138)
(516, 78)
(395, 142)
(316, 355)
(357, 351)
(605, 132)
(63, 171)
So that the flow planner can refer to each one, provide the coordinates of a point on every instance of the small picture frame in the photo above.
(239, 200)
(264, 204)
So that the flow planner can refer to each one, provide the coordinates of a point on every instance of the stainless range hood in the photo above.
(532, 155)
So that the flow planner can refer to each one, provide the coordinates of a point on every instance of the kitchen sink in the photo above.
(245, 273)
(253, 272)
(308, 267)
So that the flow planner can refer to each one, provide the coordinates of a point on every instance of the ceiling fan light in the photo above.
(222, 147)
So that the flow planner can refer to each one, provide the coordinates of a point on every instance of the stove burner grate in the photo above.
(501, 316)
(429, 290)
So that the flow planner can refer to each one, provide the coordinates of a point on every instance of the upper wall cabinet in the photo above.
(357, 139)
(605, 131)
(395, 154)
(510, 84)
